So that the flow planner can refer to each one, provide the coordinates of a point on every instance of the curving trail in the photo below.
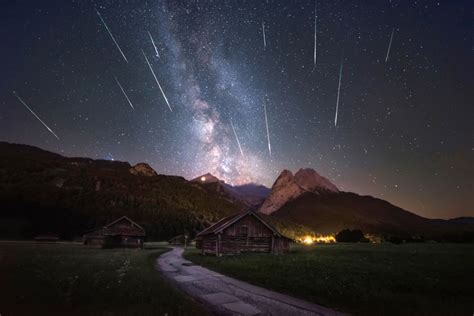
(227, 296)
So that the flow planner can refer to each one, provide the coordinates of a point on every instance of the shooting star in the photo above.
(263, 33)
(389, 45)
(268, 132)
(47, 127)
(154, 46)
(315, 34)
(237, 138)
(110, 33)
(338, 90)
(124, 93)
(156, 79)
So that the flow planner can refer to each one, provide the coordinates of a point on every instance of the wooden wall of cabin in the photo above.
(123, 242)
(209, 244)
(199, 242)
(240, 244)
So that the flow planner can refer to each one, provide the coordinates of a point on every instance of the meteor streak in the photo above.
(125, 94)
(389, 45)
(338, 90)
(156, 79)
(154, 46)
(47, 127)
(110, 33)
(266, 124)
(237, 138)
(263, 33)
(315, 34)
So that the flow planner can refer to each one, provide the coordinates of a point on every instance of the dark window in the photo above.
(244, 231)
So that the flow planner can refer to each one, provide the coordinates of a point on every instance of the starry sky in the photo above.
(405, 114)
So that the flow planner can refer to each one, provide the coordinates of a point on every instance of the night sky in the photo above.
(404, 128)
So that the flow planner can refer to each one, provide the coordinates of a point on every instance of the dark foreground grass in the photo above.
(364, 279)
(71, 279)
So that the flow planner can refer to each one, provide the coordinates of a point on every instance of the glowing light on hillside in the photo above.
(203, 179)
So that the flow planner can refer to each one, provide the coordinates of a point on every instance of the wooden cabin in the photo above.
(241, 233)
(122, 232)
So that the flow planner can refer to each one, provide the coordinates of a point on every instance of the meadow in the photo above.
(363, 279)
(72, 279)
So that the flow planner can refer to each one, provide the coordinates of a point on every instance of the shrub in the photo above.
(347, 235)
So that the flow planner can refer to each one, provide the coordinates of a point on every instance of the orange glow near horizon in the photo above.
(322, 239)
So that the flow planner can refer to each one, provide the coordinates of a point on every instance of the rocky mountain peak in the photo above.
(310, 180)
(284, 189)
(285, 176)
(206, 178)
(288, 187)
(143, 169)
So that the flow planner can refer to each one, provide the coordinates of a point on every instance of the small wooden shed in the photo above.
(240, 233)
(122, 232)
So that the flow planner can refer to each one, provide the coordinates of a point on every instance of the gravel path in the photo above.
(227, 296)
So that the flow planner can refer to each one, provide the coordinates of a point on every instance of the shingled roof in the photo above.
(229, 220)
(135, 230)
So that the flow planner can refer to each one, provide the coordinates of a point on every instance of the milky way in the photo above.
(404, 128)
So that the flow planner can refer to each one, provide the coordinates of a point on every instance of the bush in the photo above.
(395, 240)
(347, 235)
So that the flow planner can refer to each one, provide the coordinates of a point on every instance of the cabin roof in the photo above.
(229, 220)
(118, 220)
(110, 230)
(135, 230)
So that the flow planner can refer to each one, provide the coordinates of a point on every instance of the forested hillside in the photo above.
(42, 192)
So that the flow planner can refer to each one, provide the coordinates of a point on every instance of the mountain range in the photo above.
(41, 192)
(310, 199)
(250, 194)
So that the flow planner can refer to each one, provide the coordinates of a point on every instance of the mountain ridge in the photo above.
(41, 191)
(251, 194)
(316, 203)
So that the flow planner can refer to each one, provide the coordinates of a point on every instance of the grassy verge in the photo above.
(70, 279)
(363, 279)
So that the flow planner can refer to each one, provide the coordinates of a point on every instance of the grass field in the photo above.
(71, 279)
(364, 279)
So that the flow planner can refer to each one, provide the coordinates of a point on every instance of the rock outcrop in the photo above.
(288, 187)
(143, 169)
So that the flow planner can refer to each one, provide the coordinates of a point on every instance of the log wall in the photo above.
(237, 244)
(247, 235)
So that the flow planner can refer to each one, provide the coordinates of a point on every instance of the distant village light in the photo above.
(308, 240)
(325, 239)
(320, 239)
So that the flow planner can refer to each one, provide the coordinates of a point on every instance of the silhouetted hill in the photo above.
(43, 192)
(330, 213)
(462, 220)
